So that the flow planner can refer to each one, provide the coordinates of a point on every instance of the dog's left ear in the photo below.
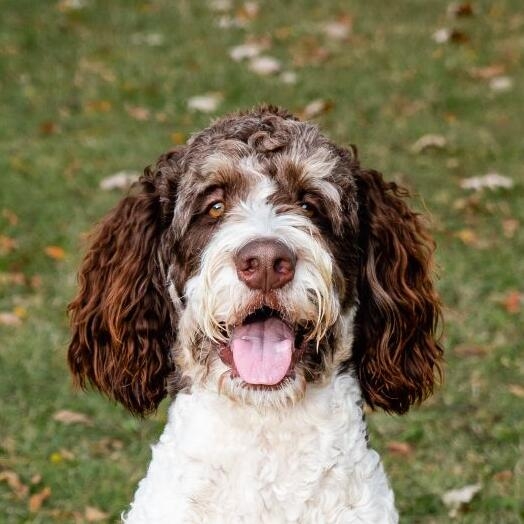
(396, 353)
(122, 317)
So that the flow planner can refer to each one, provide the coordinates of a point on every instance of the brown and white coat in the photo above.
(270, 284)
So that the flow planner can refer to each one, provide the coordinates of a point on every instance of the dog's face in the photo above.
(254, 260)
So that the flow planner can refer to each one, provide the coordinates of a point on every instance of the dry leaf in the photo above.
(9, 319)
(93, 514)
(207, 103)
(71, 5)
(264, 65)
(99, 106)
(488, 72)
(36, 479)
(288, 77)
(10, 216)
(516, 390)
(15, 484)
(178, 138)
(429, 142)
(149, 39)
(512, 302)
(119, 180)
(17, 279)
(501, 83)
(59, 456)
(36, 500)
(72, 417)
(138, 113)
(490, 181)
(468, 237)
(48, 127)
(339, 29)
(444, 35)
(400, 448)
(510, 227)
(468, 350)
(245, 51)
(316, 108)
(55, 252)
(7, 244)
(456, 499)
(460, 9)
(504, 475)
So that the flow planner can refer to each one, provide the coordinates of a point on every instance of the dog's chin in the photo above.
(263, 359)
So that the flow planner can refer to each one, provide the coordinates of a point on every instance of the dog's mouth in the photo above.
(264, 348)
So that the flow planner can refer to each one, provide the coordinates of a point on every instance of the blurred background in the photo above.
(431, 92)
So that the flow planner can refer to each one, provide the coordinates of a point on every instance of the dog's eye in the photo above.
(216, 210)
(309, 209)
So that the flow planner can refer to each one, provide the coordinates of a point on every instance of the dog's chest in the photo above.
(220, 462)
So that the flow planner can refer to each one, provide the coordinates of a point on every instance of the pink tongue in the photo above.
(262, 351)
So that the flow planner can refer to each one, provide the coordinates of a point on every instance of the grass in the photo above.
(70, 81)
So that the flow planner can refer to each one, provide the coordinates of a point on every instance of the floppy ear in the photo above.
(395, 354)
(122, 318)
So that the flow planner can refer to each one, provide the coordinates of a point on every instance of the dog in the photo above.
(271, 286)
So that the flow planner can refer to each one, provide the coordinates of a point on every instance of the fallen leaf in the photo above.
(462, 9)
(119, 180)
(470, 350)
(36, 500)
(444, 35)
(316, 108)
(339, 29)
(99, 106)
(93, 514)
(71, 5)
(516, 390)
(72, 417)
(207, 103)
(429, 142)
(487, 72)
(48, 127)
(15, 484)
(468, 237)
(138, 113)
(288, 77)
(501, 83)
(245, 51)
(59, 456)
(502, 476)
(36, 479)
(512, 302)
(490, 181)
(510, 227)
(400, 448)
(178, 138)
(10, 216)
(20, 312)
(9, 319)
(55, 252)
(456, 499)
(264, 65)
(7, 244)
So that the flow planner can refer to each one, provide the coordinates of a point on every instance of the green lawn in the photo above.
(89, 88)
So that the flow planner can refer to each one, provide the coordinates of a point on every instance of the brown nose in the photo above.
(265, 264)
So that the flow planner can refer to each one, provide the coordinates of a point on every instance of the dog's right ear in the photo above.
(122, 317)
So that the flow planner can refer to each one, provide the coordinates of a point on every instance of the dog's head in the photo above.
(256, 259)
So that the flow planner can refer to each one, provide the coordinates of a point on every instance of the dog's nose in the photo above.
(265, 264)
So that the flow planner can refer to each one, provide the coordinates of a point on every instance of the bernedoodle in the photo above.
(271, 286)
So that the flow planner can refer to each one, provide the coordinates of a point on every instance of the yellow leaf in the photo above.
(20, 312)
(178, 138)
(55, 252)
